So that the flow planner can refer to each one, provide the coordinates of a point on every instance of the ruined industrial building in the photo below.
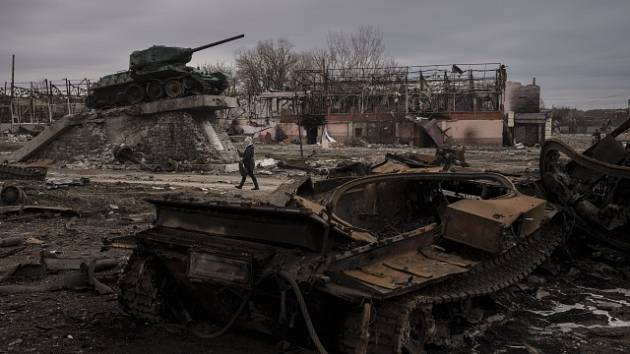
(426, 208)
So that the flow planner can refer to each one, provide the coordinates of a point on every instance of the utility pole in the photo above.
(49, 99)
(12, 86)
(32, 103)
(300, 122)
(68, 97)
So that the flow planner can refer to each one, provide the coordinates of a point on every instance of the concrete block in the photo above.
(212, 102)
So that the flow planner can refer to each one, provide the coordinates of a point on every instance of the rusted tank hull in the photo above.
(302, 270)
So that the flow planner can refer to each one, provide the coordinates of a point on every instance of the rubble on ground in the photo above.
(62, 248)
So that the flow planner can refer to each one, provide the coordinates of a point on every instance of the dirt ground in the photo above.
(577, 302)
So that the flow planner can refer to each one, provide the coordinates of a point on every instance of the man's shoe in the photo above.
(255, 188)
(238, 187)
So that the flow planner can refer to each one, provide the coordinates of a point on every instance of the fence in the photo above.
(41, 102)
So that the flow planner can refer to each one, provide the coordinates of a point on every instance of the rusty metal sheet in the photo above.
(405, 270)
(315, 208)
(282, 195)
(390, 166)
(426, 169)
(380, 275)
(450, 258)
(371, 279)
(318, 209)
(424, 266)
(481, 223)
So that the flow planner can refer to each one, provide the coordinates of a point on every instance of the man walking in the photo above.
(249, 164)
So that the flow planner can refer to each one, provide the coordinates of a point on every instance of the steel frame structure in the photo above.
(422, 90)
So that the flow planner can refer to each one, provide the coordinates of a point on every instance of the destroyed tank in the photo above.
(594, 186)
(388, 263)
(155, 73)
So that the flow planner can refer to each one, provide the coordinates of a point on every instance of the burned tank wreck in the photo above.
(378, 264)
(594, 186)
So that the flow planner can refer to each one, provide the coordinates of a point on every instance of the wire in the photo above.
(301, 302)
(234, 317)
(307, 317)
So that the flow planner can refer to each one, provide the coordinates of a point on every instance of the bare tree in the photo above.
(363, 48)
(266, 67)
(567, 116)
(272, 64)
(226, 68)
(221, 66)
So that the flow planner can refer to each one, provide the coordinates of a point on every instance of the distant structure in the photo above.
(522, 98)
(526, 123)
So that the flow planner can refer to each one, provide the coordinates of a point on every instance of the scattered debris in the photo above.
(74, 273)
(122, 242)
(124, 153)
(40, 209)
(267, 163)
(11, 172)
(11, 241)
(33, 241)
(55, 183)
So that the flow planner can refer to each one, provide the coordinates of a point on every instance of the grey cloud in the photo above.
(577, 49)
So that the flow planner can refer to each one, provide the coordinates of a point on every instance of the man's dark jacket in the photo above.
(248, 158)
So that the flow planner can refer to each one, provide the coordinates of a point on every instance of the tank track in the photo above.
(390, 327)
(22, 173)
(141, 287)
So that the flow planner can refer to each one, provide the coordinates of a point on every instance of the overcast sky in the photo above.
(579, 51)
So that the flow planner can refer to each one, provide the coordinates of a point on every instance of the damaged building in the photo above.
(526, 123)
(414, 105)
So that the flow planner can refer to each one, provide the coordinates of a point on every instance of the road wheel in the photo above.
(154, 90)
(11, 195)
(192, 86)
(174, 88)
(134, 94)
(118, 98)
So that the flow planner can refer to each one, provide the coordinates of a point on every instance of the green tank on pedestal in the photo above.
(155, 73)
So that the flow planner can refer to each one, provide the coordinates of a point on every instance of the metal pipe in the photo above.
(305, 314)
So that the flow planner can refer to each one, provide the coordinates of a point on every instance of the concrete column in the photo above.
(212, 136)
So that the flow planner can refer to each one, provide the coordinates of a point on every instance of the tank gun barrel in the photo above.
(217, 43)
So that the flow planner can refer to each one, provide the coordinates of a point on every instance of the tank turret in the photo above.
(156, 72)
(157, 55)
